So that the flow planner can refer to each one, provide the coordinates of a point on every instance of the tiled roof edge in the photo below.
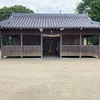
(92, 22)
(7, 20)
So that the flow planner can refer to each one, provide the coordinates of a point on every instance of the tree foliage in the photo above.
(90, 6)
(6, 12)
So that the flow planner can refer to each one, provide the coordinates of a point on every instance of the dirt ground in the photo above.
(51, 79)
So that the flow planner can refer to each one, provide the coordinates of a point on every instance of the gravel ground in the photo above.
(51, 79)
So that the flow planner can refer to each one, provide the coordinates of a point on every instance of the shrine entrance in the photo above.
(51, 46)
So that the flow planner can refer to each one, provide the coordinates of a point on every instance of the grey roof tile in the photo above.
(30, 20)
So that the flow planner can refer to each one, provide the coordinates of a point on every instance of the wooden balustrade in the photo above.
(90, 50)
(32, 50)
(74, 50)
(35, 50)
(70, 50)
(15, 50)
(11, 50)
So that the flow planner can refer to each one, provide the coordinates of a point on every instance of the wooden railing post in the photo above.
(41, 46)
(1, 46)
(99, 47)
(80, 43)
(21, 45)
(60, 45)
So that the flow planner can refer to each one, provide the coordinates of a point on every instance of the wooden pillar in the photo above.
(92, 40)
(41, 46)
(1, 46)
(60, 45)
(99, 47)
(80, 44)
(21, 45)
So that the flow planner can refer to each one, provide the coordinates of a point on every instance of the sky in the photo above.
(44, 6)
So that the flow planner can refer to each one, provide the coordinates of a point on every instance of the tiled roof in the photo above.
(30, 20)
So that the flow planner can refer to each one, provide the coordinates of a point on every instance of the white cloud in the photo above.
(44, 6)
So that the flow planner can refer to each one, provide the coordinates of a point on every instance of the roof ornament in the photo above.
(60, 11)
(41, 29)
(62, 29)
(12, 13)
(37, 11)
(86, 10)
(51, 31)
(81, 28)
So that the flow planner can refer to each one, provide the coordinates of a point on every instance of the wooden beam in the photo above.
(1, 46)
(41, 46)
(99, 47)
(60, 45)
(80, 44)
(21, 45)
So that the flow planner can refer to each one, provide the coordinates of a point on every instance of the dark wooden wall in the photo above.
(68, 48)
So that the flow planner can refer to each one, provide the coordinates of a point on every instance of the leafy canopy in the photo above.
(6, 12)
(90, 6)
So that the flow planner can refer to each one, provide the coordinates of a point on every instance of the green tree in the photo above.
(93, 9)
(6, 12)
(90, 6)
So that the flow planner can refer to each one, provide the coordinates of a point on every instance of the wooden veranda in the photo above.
(39, 35)
(30, 43)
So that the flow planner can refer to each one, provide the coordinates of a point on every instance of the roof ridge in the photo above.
(48, 14)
